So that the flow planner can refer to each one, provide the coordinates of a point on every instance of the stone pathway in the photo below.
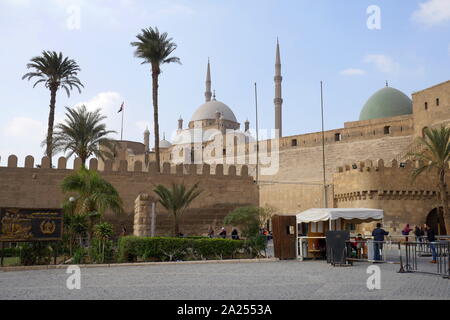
(271, 280)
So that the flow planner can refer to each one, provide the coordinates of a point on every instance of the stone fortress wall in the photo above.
(223, 191)
(389, 186)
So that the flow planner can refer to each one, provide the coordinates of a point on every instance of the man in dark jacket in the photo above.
(378, 235)
(431, 237)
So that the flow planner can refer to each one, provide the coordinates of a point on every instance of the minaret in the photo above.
(278, 94)
(208, 93)
(180, 124)
(247, 126)
(147, 140)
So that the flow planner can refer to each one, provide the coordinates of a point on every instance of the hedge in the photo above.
(10, 252)
(162, 249)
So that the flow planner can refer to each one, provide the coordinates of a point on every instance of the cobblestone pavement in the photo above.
(267, 280)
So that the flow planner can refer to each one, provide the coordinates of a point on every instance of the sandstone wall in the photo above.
(298, 184)
(431, 107)
(387, 187)
(30, 187)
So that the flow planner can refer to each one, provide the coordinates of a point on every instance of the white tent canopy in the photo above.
(318, 215)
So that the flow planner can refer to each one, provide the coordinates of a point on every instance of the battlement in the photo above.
(219, 170)
(376, 180)
(378, 165)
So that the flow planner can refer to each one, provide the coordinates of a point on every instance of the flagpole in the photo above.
(257, 133)
(323, 148)
(121, 131)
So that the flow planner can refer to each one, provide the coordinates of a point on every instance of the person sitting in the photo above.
(360, 244)
(223, 233)
(235, 235)
(406, 230)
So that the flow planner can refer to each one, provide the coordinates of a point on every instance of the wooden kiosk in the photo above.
(303, 236)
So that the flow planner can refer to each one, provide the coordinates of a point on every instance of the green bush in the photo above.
(101, 251)
(35, 254)
(10, 252)
(255, 245)
(162, 249)
(79, 256)
(216, 248)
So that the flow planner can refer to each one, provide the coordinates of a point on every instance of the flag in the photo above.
(122, 107)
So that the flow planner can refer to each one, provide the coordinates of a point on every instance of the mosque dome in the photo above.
(385, 103)
(209, 110)
(164, 144)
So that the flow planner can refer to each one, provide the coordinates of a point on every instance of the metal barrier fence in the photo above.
(417, 258)
(412, 256)
(374, 251)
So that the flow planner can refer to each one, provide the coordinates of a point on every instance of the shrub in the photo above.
(216, 248)
(247, 219)
(255, 245)
(10, 252)
(162, 249)
(35, 254)
(79, 256)
(101, 251)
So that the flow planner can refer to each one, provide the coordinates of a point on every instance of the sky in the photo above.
(353, 46)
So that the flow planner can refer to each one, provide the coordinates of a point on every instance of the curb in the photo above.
(143, 264)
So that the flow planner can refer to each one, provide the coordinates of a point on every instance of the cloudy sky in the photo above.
(325, 40)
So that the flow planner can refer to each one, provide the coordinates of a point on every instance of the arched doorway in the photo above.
(435, 220)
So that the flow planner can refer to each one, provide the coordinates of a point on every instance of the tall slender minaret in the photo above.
(147, 140)
(208, 93)
(278, 94)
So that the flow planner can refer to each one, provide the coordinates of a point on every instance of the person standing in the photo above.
(211, 232)
(431, 237)
(378, 235)
(124, 231)
(418, 232)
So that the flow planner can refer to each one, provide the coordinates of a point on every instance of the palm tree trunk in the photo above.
(444, 199)
(51, 123)
(155, 75)
(177, 225)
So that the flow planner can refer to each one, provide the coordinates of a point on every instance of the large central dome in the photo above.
(385, 103)
(208, 111)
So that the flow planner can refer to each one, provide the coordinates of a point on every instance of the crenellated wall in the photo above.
(223, 191)
(389, 187)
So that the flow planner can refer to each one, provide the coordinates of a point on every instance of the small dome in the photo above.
(385, 103)
(208, 111)
(164, 144)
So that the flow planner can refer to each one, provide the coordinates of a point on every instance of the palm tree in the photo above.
(83, 134)
(103, 231)
(435, 156)
(155, 48)
(94, 195)
(177, 200)
(56, 72)
(76, 226)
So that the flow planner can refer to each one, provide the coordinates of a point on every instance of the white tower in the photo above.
(208, 93)
(147, 140)
(278, 94)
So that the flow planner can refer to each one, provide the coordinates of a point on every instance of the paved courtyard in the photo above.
(267, 280)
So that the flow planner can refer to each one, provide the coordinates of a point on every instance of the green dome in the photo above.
(385, 103)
